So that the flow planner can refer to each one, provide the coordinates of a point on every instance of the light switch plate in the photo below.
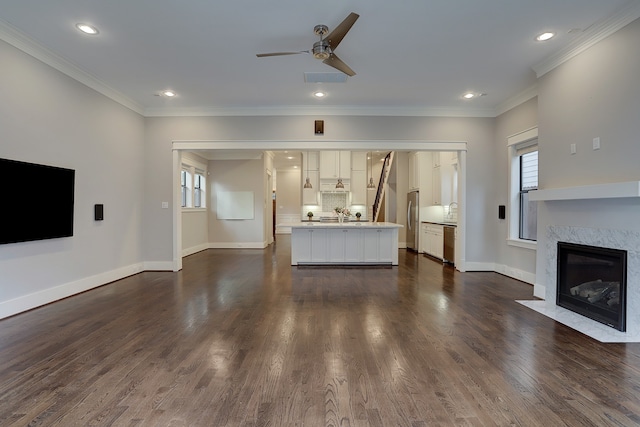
(596, 143)
(165, 205)
(573, 148)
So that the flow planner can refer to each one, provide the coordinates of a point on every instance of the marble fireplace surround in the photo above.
(628, 240)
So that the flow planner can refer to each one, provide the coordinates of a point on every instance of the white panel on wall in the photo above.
(235, 205)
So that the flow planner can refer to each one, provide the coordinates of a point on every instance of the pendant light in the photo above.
(371, 185)
(339, 184)
(307, 183)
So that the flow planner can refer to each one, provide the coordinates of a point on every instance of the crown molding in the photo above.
(303, 110)
(29, 46)
(594, 34)
(516, 100)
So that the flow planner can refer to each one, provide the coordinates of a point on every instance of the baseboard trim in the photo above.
(46, 296)
(195, 249)
(514, 273)
(237, 245)
(480, 266)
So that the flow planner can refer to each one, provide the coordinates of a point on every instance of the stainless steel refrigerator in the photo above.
(413, 224)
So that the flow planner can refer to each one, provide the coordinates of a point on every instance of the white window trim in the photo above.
(515, 142)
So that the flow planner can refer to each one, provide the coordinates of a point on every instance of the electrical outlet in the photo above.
(596, 143)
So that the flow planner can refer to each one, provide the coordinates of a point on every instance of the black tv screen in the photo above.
(37, 201)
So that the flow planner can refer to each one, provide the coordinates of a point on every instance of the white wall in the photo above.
(49, 118)
(288, 189)
(511, 260)
(595, 94)
(236, 175)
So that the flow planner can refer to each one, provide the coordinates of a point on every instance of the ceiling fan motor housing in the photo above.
(321, 50)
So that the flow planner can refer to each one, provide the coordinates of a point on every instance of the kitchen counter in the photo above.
(348, 243)
(336, 224)
(449, 224)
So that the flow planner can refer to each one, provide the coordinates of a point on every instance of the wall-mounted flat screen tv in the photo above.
(37, 201)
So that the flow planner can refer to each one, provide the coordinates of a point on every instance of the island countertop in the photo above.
(346, 224)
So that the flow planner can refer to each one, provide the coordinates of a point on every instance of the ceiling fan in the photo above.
(325, 47)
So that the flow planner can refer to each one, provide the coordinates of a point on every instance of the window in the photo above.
(523, 213)
(185, 183)
(528, 181)
(198, 190)
(193, 182)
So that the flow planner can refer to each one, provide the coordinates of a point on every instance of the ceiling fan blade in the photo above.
(262, 55)
(335, 37)
(337, 63)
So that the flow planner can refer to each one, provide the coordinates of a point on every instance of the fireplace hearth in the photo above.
(591, 281)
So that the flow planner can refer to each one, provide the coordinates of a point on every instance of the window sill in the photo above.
(526, 244)
(194, 210)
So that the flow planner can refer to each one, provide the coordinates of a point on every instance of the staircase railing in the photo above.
(384, 176)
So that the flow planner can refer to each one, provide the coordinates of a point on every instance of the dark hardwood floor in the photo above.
(240, 338)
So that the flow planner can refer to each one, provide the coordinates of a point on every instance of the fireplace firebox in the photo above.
(592, 282)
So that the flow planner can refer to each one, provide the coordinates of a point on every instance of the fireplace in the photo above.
(592, 281)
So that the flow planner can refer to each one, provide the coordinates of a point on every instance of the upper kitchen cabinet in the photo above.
(358, 178)
(444, 180)
(335, 164)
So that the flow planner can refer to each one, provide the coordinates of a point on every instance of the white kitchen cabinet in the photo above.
(310, 246)
(433, 239)
(442, 180)
(414, 170)
(317, 243)
(378, 245)
(358, 187)
(335, 164)
(424, 231)
(345, 245)
(436, 186)
(358, 161)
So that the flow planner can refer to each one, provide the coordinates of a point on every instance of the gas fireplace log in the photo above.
(597, 290)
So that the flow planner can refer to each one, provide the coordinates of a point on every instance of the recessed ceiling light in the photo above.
(290, 158)
(87, 29)
(169, 93)
(319, 94)
(544, 36)
(469, 95)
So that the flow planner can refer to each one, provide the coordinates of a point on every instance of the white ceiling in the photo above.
(410, 56)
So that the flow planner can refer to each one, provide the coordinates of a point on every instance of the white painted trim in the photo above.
(597, 191)
(514, 273)
(518, 99)
(306, 110)
(195, 249)
(177, 210)
(594, 34)
(237, 245)
(480, 266)
(539, 291)
(526, 244)
(178, 146)
(46, 296)
(354, 145)
(29, 46)
(523, 136)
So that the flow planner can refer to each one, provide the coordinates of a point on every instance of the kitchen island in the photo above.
(348, 243)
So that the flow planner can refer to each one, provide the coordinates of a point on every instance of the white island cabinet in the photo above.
(350, 243)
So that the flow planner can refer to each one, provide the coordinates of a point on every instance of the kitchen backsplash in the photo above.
(330, 201)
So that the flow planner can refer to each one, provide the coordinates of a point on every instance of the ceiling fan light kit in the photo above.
(324, 49)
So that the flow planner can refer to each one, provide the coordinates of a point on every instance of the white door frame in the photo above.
(302, 145)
